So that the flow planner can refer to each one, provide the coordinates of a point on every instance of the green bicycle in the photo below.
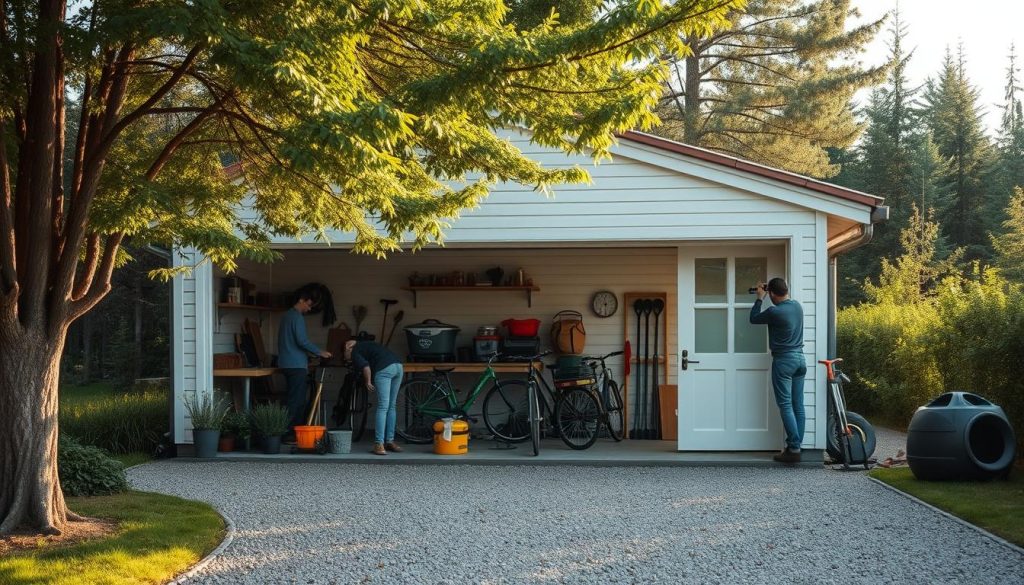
(422, 401)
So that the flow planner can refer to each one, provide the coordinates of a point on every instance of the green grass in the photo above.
(73, 395)
(130, 459)
(996, 506)
(158, 537)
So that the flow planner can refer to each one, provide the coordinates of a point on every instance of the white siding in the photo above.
(191, 333)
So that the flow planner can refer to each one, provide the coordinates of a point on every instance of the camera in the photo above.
(753, 290)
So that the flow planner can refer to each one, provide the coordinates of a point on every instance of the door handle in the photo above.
(684, 361)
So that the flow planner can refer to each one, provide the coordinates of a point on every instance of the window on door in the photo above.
(722, 305)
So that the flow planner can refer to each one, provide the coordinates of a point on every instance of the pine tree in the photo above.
(952, 113)
(1008, 172)
(1009, 245)
(775, 88)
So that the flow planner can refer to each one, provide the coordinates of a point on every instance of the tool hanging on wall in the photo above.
(638, 308)
(659, 306)
(645, 426)
(359, 314)
(398, 319)
(384, 320)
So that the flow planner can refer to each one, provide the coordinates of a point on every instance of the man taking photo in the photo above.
(785, 320)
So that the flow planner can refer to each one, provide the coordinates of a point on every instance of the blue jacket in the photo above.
(293, 345)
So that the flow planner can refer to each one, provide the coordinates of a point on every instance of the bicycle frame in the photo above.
(487, 377)
(835, 378)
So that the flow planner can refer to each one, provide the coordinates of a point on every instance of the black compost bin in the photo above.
(960, 435)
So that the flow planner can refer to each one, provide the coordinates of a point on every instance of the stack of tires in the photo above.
(960, 435)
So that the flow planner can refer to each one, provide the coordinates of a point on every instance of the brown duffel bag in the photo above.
(567, 332)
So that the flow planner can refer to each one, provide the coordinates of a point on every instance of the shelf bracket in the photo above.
(529, 297)
(414, 299)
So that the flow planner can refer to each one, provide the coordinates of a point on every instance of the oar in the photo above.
(638, 308)
(659, 306)
(647, 307)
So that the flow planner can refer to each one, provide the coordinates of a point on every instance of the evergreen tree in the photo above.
(775, 88)
(883, 163)
(952, 114)
(1008, 172)
(1009, 245)
(919, 266)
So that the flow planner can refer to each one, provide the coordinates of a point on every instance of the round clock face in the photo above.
(604, 303)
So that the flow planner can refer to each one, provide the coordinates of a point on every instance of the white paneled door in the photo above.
(725, 397)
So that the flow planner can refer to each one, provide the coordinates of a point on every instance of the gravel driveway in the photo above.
(330, 523)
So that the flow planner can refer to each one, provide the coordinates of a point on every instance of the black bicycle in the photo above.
(588, 404)
(850, 438)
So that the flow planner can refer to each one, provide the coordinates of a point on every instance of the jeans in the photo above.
(298, 389)
(387, 382)
(788, 372)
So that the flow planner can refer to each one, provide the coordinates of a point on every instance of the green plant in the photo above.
(88, 471)
(118, 422)
(270, 420)
(205, 411)
(236, 424)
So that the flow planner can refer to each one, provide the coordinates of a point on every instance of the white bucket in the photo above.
(340, 441)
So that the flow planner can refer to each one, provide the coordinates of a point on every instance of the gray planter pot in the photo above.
(205, 442)
(272, 445)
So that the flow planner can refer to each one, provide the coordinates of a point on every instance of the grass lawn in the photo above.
(73, 395)
(996, 506)
(157, 538)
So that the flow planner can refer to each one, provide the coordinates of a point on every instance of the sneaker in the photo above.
(787, 456)
(393, 447)
(378, 449)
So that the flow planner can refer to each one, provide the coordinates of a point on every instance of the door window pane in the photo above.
(711, 330)
(749, 272)
(749, 338)
(710, 280)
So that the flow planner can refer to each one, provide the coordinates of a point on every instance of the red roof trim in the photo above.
(752, 168)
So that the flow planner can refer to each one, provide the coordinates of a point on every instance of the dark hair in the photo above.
(322, 301)
(778, 287)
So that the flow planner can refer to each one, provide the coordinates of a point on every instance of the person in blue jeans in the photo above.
(293, 349)
(382, 373)
(785, 320)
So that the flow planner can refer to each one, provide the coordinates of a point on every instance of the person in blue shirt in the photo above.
(785, 320)
(293, 350)
(382, 373)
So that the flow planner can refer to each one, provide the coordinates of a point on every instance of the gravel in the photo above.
(332, 523)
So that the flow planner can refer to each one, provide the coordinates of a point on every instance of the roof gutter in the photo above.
(852, 238)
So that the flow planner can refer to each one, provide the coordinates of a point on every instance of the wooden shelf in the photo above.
(529, 290)
(240, 307)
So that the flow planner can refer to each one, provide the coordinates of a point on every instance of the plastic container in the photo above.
(484, 346)
(340, 441)
(960, 435)
(522, 327)
(454, 441)
(431, 337)
(307, 436)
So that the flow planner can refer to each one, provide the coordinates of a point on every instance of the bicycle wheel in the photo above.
(613, 410)
(534, 418)
(578, 418)
(414, 398)
(507, 412)
(357, 412)
(862, 441)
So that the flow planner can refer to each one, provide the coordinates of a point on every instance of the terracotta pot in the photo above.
(226, 444)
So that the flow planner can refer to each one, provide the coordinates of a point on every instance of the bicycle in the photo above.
(353, 403)
(850, 438)
(423, 401)
(581, 410)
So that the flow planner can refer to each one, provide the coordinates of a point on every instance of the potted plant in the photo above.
(207, 414)
(270, 421)
(234, 432)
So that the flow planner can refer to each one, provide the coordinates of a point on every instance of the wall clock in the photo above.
(604, 303)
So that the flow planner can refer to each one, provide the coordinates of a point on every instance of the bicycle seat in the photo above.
(444, 370)
(830, 362)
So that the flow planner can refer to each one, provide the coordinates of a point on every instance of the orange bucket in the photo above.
(459, 442)
(306, 437)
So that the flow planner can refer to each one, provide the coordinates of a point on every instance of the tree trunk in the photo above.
(137, 346)
(691, 117)
(30, 492)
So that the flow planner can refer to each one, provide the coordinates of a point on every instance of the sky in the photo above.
(985, 27)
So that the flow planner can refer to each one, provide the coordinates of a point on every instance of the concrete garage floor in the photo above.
(604, 453)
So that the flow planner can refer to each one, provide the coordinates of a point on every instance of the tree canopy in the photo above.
(775, 87)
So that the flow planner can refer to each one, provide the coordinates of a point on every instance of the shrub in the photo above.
(235, 424)
(122, 423)
(88, 471)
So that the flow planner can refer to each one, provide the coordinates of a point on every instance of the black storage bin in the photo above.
(431, 337)
(521, 346)
(960, 435)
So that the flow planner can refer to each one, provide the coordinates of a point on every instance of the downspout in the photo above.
(878, 215)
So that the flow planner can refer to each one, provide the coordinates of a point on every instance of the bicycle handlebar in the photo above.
(521, 358)
(601, 359)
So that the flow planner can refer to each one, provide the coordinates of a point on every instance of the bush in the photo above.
(88, 471)
(969, 336)
(207, 413)
(270, 420)
(125, 423)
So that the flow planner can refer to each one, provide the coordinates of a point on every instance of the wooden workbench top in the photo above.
(244, 372)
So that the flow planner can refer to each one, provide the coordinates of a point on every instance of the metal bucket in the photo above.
(340, 441)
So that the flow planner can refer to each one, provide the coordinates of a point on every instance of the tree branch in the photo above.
(174, 143)
(100, 285)
(92, 250)
(8, 273)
